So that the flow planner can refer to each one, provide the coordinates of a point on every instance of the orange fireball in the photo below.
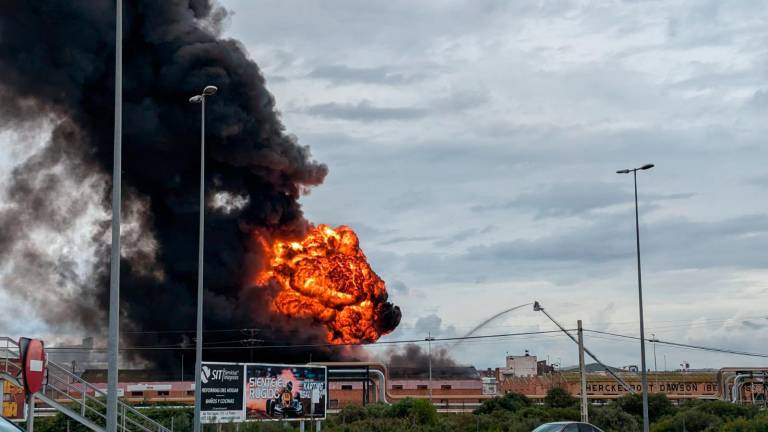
(326, 277)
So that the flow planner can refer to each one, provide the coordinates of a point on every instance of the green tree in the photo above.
(419, 411)
(658, 405)
(759, 424)
(688, 420)
(558, 397)
(423, 412)
(509, 402)
(722, 409)
(613, 419)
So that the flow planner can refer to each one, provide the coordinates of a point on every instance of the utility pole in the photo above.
(429, 354)
(655, 365)
(583, 369)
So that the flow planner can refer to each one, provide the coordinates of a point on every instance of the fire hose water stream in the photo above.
(486, 322)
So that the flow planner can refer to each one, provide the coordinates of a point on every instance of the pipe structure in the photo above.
(381, 371)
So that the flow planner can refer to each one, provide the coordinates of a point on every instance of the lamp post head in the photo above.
(196, 99)
(624, 171)
(209, 90)
(647, 166)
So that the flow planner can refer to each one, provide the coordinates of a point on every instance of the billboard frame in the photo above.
(244, 371)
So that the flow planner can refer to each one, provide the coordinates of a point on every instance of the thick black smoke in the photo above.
(57, 65)
(413, 356)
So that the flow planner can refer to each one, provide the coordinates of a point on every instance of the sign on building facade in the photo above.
(236, 392)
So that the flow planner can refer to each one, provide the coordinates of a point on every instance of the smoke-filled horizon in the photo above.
(57, 66)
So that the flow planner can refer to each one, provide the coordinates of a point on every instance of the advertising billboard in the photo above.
(236, 392)
(222, 393)
(285, 392)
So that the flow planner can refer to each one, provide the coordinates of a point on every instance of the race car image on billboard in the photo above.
(285, 392)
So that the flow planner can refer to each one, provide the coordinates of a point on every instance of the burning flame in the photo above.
(326, 277)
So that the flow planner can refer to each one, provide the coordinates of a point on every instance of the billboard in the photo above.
(285, 392)
(236, 392)
(221, 390)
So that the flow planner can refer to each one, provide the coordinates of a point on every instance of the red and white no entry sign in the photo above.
(33, 364)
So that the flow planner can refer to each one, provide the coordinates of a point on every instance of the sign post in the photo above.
(32, 359)
(31, 412)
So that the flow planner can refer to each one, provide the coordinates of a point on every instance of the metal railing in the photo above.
(75, 397)
(9, 356)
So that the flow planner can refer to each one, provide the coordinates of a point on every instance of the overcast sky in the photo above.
(473, 145)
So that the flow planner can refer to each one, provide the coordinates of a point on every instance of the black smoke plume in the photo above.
(413, 356)
(57, 68)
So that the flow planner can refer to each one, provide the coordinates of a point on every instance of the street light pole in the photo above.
(113, 334)
(207, 91)
(644, 373)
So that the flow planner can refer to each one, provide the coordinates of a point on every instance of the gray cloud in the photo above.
(753, 325)
(601, 247)
(576, 198)
(404, 239)
(398, 287)
(364, 111)
(464, 235)
(342, 74)
(433, 324)
(761, 180)
(759, 100)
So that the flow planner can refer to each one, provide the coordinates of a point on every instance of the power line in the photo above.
(325, 345)
(683, 345)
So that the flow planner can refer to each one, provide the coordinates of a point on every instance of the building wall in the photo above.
(444, 392)
(521, 366)
(602, 386)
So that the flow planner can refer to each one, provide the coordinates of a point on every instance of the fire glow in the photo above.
(326, 277)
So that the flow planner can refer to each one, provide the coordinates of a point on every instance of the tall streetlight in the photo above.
(644, 372)
(207, 91)
(113, 333)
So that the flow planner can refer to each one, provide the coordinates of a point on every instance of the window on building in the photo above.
(445, 387)
(333, 403)
(346, 386)
(421, 387)
(190, 392)
(397, 387)
(163, 393)
(137, 393)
